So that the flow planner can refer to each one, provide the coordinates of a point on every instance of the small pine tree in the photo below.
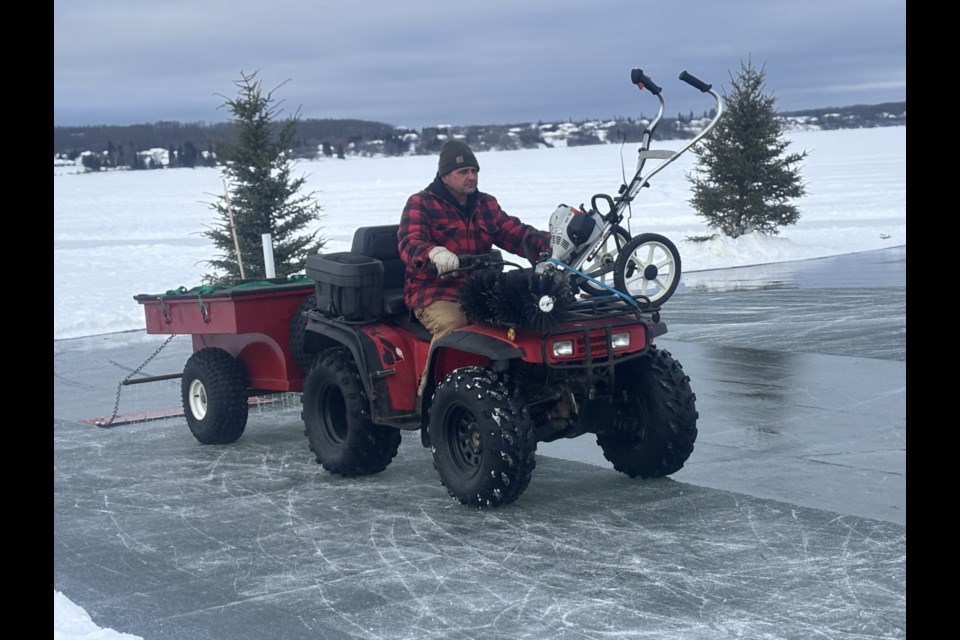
(743, 181)
(261, 195)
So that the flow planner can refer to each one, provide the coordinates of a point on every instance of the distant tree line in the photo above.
(855, 117)
(196, 144)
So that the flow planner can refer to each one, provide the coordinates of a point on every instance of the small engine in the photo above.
(570, 229)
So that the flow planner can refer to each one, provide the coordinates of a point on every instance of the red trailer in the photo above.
(246, 341)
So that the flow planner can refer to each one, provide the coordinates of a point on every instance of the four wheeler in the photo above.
(551, 351)
(495, 388)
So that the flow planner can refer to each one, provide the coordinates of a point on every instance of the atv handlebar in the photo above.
(469, 262)
(493, 259)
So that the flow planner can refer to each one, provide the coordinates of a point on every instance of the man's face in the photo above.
(461, 182)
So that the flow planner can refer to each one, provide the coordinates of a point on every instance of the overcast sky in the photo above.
(419, 63)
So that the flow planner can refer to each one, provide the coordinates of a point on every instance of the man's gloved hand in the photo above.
(444, 259)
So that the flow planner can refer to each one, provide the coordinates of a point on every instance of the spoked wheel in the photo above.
(648, 266)
(482, 439)
(214, 393)
(602, 266)
(336, 417)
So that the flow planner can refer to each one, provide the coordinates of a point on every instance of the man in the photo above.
(452, 217)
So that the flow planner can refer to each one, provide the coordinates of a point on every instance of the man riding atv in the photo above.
(450, 217)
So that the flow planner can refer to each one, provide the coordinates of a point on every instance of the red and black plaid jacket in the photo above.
(434, 217)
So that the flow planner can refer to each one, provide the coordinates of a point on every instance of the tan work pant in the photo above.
(440, 318)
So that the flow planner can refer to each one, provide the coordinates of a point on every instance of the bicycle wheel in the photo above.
(602, 266)
(648, 268)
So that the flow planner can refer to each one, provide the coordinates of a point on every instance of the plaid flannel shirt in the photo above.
(433, 217)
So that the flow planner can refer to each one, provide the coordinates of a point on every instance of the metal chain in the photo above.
(116, 404)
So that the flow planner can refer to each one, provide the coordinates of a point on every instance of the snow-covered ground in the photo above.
(122, 233)
(72, 622)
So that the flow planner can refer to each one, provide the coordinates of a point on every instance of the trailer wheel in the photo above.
(214, 393)
(482, 439)
(649, 266)
(655, 417)
(297, 335)
(336, 416)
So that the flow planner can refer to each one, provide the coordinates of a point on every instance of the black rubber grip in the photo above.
(637, 77)
(695, 82)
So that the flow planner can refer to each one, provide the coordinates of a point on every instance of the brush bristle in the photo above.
(478, 296)
(512, 299)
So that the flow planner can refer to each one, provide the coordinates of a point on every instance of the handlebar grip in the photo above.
(492, 260)
(695, 82)
(604, 197)
(644, 81)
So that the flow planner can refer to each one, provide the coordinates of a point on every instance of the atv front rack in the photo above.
(611, 303)
(613, 306)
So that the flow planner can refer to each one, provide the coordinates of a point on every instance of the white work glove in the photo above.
(444, 260)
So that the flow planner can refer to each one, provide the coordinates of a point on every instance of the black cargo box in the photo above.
(348, 285)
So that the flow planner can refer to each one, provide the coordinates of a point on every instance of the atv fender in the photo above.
(385, 358)
(484, 344)
(460, 348)
(322, 334)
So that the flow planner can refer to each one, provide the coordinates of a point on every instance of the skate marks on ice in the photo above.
(162, 537)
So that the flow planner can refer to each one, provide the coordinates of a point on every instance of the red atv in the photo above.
(494, 389)
(553, 351)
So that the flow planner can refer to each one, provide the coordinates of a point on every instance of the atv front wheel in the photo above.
(482, 439)
(214, 394)
(648, 266)
(336, 416)
(655, 417)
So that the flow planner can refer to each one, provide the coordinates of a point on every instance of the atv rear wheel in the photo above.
(655, 423)
(649, 266)
(297, 335)
(214, 394)
(482, 439)
(336, 416)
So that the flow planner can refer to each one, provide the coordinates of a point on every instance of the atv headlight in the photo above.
(562, 348)
(620, 340)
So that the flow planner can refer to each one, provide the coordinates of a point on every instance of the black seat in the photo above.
(380, 242)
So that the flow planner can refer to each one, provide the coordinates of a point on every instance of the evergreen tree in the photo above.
(92, 162)
(744, 181)
(188, 155)
(262, 194)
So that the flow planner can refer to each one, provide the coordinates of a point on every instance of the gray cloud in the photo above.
(424, 62)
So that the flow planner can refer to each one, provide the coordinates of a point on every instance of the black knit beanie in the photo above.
(455, 154)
